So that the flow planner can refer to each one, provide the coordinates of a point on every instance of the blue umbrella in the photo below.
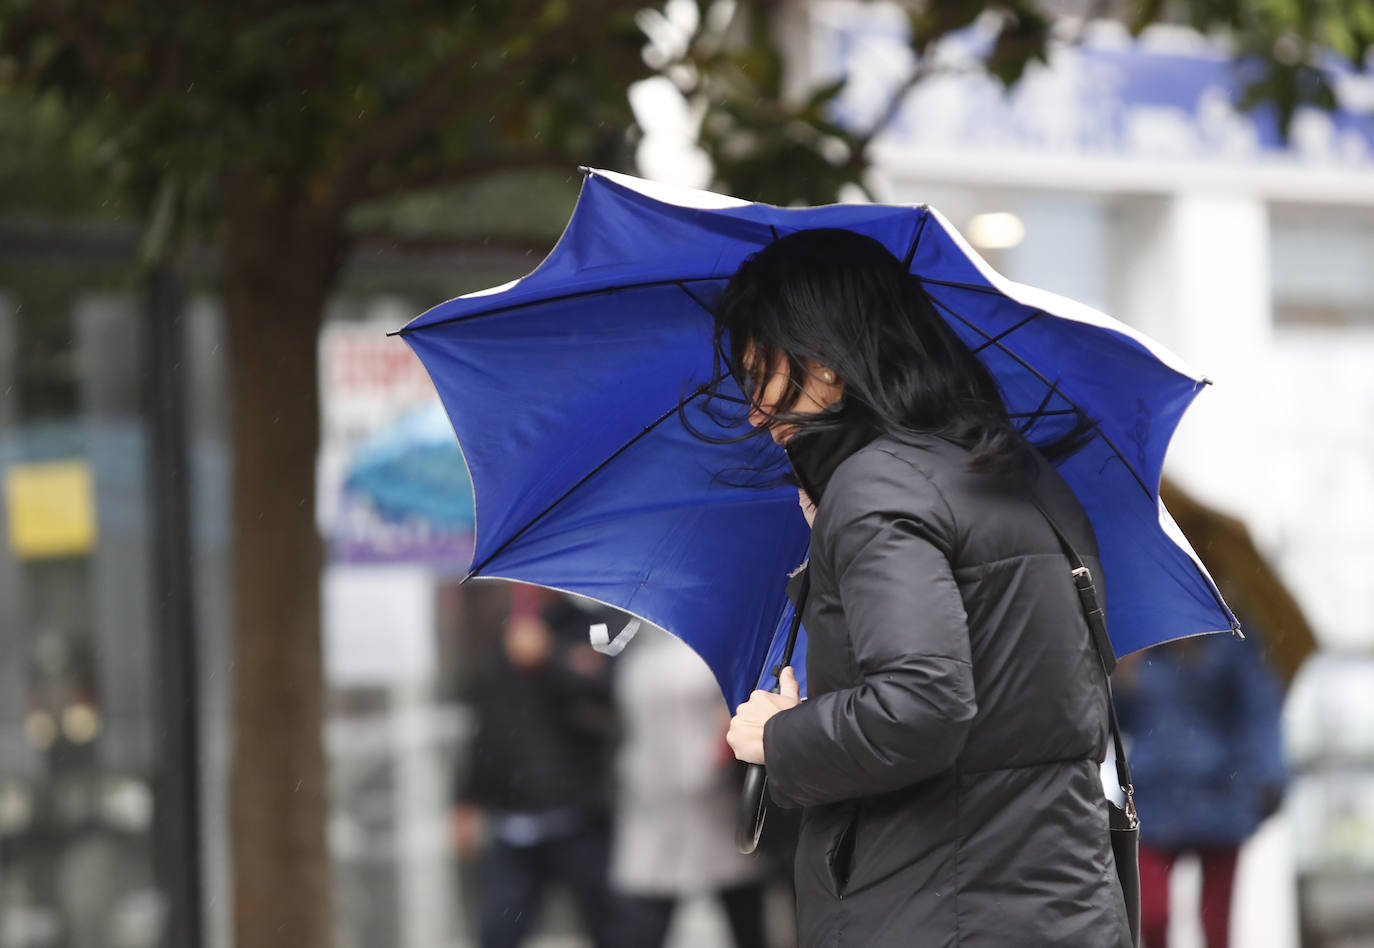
(568, 390)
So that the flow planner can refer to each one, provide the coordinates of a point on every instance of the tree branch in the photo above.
(890, 111)
(924, 70)
(91, 51)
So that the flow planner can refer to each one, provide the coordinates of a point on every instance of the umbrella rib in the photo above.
(1053, 385)
(960, 285)
(915, 241)
(1042, 414)
(647, 284)
(1005, 333)
(1039, 409)
(496, 310)
(588, 476)
(696, 299)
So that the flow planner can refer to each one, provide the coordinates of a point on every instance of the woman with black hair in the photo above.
(947, 758)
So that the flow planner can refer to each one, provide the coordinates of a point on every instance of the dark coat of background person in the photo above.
(948, 754)
(539, 769)
(545, 737)
(1201, 718)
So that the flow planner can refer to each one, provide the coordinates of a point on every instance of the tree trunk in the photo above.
(280, 270)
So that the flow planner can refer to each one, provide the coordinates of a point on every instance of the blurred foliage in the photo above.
(1283, 48)
(767, 144)
(520, 205)
(53, 166)
(340, 103)
(327, 103)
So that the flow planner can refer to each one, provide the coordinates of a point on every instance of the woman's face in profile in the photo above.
(769, 387)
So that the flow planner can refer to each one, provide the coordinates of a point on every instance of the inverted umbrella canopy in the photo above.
(568, 391)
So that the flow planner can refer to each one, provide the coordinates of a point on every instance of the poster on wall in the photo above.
(392, 483)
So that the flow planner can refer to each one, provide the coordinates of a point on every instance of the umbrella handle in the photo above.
(753, 799)
(753, 802)
(749, 820)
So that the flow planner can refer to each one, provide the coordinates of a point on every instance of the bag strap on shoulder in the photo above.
(1106, 655)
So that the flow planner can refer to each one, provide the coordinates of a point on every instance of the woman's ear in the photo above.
(830, 386)
(820, 386)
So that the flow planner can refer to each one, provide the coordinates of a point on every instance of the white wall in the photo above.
(1200, 285)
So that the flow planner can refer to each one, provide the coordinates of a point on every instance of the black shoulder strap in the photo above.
(1106, 655)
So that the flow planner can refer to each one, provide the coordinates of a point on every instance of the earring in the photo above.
(828, 376)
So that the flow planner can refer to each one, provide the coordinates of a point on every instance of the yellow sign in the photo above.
(51, 508)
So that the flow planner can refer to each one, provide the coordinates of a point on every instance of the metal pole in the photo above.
(177, 815)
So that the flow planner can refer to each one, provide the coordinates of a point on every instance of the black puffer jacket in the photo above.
(947, 757)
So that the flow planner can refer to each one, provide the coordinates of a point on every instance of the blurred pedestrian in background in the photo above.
(1248, 583)
(677, 795)
(536, 785)
(1203, 719)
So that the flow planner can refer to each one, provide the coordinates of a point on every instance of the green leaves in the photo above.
(1286, 87)
(1347, 27)
(54, 165)
(931, 22)
(328, 103)
(331, 102)
(1022, 37)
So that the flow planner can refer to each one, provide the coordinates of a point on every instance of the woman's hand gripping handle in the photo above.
(745, 738)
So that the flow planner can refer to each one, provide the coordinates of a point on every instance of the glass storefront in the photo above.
(89, 781)
(79, 762)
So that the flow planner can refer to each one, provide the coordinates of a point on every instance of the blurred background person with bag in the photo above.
(1202, 717)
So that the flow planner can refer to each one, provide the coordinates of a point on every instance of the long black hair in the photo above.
(841, 300)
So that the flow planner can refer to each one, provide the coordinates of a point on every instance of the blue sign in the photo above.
(1171, 95)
